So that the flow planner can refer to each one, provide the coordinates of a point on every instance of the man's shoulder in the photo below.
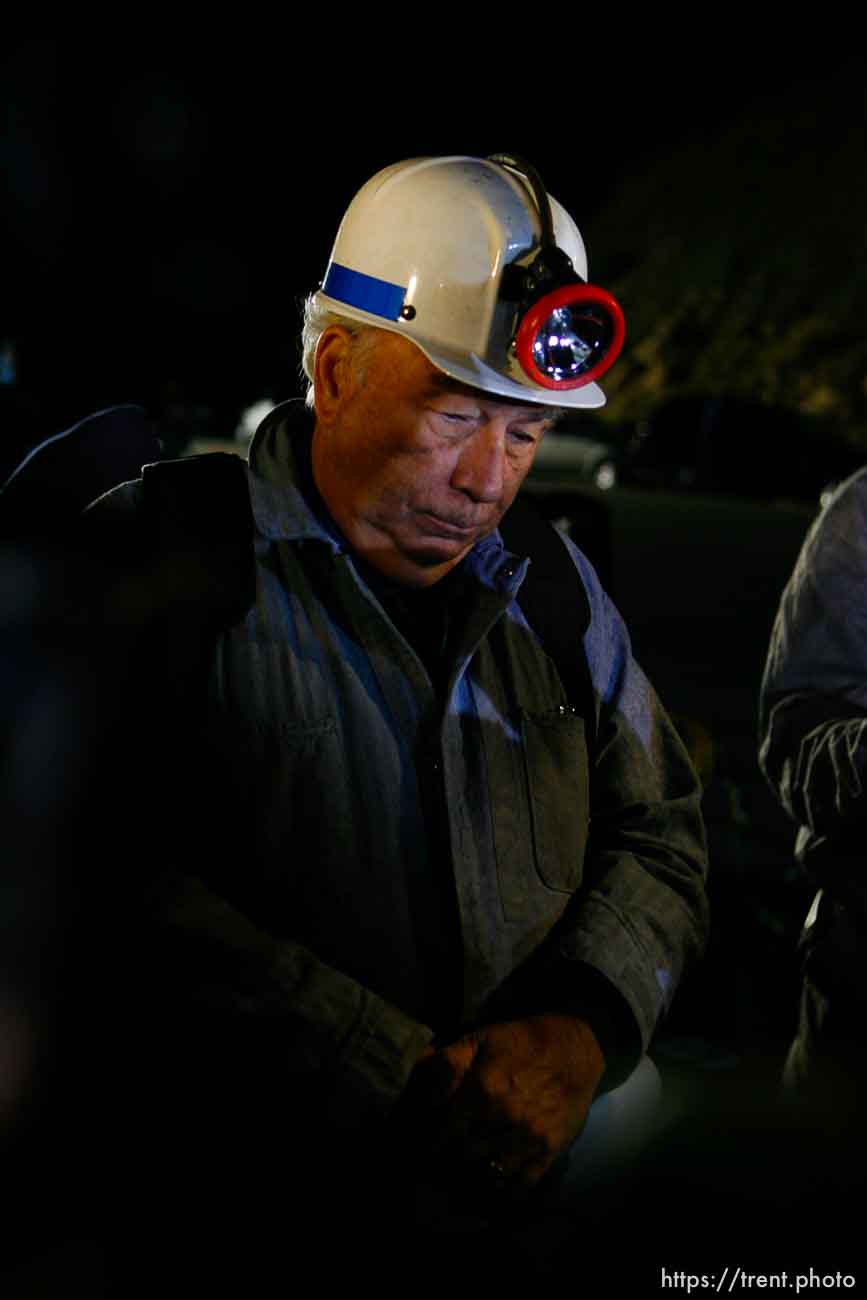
(207, 495)
(848, 501)
(123, 501)
(182, 532)
(836, 542)
(206, 492)
(856, 483)
(57, 478)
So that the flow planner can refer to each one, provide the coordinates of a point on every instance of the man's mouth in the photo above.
(440, 527)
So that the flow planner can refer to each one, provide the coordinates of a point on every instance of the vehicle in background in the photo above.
(711, 445)
(591, 459)
(739, 447)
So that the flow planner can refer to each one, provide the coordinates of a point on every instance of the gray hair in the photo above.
(316, 321)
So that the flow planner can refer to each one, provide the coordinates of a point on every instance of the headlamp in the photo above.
(566, 332)
(570, 336)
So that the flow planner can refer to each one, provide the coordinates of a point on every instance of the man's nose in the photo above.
(480, 467)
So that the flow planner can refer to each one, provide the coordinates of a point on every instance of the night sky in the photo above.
(169, 199)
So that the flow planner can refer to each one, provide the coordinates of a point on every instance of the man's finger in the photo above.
(460, 1057)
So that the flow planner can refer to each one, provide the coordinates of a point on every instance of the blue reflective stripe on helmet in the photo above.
(364, 292)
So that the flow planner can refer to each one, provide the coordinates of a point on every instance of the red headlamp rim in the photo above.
(535, 318)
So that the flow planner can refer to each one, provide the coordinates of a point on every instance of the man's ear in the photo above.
(332, 371)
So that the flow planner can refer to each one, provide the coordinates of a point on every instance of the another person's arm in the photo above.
(813, 702)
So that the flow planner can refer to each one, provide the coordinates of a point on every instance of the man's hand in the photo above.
(505, 1100)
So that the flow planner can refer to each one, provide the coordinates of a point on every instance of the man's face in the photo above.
(414, 467)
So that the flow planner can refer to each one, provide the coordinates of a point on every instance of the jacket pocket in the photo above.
(540, 812)
(555, 755)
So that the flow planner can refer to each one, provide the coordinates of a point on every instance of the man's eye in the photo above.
(520, 435)
(454, 419)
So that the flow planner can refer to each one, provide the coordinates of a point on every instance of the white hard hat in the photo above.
(473, 261)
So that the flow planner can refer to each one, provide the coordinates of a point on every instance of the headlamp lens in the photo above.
(570, 336)
(571, 341)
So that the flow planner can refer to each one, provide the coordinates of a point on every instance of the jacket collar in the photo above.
(283, 502)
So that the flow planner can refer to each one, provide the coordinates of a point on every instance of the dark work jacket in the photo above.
(388, 862)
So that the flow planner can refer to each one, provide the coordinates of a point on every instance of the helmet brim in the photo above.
(471, 370)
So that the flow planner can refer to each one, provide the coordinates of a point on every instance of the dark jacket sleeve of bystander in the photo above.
(813, 701)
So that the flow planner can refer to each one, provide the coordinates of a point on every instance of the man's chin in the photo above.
(419, 557)
(426, 564)
(419, 565)
(431, 554)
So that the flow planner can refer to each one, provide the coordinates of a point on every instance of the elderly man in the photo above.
(422, 898)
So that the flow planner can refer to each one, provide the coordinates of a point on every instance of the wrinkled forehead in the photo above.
(400, 365)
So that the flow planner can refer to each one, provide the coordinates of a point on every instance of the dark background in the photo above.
(169, 196)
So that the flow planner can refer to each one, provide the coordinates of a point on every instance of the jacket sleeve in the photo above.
(813, 699)
(641, 916)
(357, 1047)
(192, 948)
